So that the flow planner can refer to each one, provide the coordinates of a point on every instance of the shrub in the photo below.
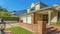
(10, 18)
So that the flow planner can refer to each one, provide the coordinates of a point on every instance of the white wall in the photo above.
(37, 7)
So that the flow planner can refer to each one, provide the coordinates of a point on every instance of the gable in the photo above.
(37, 6)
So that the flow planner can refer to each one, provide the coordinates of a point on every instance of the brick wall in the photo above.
(32, 27)
(40, 27)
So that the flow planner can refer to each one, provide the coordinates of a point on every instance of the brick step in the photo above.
(51, 30)
(56, 32)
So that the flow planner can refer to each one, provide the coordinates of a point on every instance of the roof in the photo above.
(38, 3)
(41, 3)
(46, 8)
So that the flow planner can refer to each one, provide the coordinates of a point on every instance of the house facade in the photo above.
(38, 12)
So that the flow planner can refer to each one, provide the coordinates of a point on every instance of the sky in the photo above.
(16, 5)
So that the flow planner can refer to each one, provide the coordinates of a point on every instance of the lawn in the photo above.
(18, 30)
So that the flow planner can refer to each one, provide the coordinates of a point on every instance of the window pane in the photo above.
(24, 19)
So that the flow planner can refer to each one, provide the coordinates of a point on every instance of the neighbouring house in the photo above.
(17, 13)
(38, 12)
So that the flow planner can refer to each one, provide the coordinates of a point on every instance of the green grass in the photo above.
(18, 30)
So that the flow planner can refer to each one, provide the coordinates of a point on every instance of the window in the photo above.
(45, 18)
(42, 6)
(32, 9)
(29, 19)
(26, 19)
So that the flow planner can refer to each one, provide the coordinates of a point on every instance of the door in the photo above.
(45, 18)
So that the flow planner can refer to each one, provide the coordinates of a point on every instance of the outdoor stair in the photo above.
(50, 30)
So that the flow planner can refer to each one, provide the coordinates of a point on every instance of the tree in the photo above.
(1, 8)
(5, 10)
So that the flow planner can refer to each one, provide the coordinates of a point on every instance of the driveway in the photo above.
(9, 25)
(11, 21)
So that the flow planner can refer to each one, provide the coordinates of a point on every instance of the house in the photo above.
(17, 13)
(38, 12)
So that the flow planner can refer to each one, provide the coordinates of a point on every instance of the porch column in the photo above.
(49, 17)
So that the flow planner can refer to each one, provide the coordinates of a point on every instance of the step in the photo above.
(56, 32)
(51, 30)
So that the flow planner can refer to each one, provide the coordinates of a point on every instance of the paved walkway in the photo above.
(12, 25)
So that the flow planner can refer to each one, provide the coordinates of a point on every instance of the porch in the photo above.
(47, 16)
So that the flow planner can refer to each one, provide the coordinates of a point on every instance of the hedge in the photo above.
(10, 18)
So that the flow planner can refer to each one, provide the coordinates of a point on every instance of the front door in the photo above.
(45, 18)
